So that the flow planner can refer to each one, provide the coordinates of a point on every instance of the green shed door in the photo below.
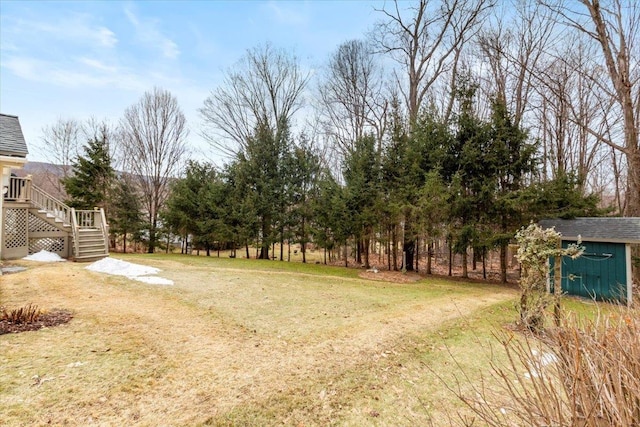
(599, 273)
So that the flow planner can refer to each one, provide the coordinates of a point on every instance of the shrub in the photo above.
(535, 247)
(27, 314)
(582, 373)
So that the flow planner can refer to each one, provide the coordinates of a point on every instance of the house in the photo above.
(31, 220)
(604, 270)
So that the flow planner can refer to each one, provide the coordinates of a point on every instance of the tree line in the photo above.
(451, 120)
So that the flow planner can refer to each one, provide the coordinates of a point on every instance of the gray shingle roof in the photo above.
(12, 141)
(615, 230)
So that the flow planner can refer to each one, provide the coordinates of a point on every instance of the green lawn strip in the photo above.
(243, 263)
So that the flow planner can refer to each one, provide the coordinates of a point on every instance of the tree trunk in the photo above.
(394, 245)
(346, 258)
(266, 232)
(484, 264)
(503, 261)
(450, 257)
(152, 237)
(303, 243)
(429, 255)
(365, 246)
(282, 244)
(465, 272)
(474, 259)
(633, 183)
(389, 249)
(409, 249)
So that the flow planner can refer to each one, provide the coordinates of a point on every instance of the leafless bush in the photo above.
(581, 373)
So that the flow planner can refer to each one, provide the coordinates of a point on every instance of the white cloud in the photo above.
(98, 65)
(286, 14)
(22, 67)
(148, 33)
(106, 37)
(85, 72)
(77, 29)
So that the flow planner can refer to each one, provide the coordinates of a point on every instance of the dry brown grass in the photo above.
(237, 342)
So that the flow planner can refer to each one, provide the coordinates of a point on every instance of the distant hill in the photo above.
(46, 176)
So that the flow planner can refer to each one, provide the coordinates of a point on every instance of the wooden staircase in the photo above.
(90, 244)
(87, 229)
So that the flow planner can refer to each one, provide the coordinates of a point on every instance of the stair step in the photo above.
(92, 253)
(91, 244)
(89, 238)
(85, 251)
(90, 258)
(92, 248)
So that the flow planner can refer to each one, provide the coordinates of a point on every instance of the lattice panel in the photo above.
(37, 224)
(15, 222)
(51, 244)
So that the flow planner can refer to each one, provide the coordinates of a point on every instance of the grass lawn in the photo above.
(244, 342)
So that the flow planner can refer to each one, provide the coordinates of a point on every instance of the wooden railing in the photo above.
(53, 206)
(89, 219)
(76, 235)
(105, 230)
(18, 190)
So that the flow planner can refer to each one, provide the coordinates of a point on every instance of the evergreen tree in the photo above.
(126, 212)
(262, 168)
(510, 160)
(194, 205)
(304, 173)
(238, 210)
(362, 180)
(92, 177)
(397, 184)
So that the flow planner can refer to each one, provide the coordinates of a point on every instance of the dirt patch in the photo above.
(46, 320)
(390, 276)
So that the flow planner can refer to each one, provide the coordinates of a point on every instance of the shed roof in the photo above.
(12, 141)
(608, 229)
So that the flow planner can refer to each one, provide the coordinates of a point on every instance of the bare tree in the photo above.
(614, 26)
(265, 86)
(154, 133)
(351, 95)
(60, 143)
(566, 107)
(427, 44)
(512, 49)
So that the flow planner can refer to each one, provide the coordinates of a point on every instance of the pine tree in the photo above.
(90, 183)
(362, 179)
(126, 212)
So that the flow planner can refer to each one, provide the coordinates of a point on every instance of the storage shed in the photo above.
(603, 271)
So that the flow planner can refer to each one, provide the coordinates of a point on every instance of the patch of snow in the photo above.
(133, 271)
(153, 280)
(540, 361)
(44, 256)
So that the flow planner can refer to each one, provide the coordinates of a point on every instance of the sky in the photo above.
(83, 59)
